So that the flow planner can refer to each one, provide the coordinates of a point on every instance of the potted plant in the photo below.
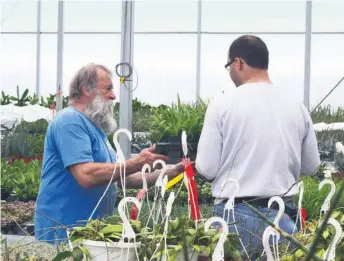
(168, 123)
(100, 240)
(187, 240)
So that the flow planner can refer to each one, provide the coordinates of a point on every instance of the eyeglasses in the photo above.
(228, 64)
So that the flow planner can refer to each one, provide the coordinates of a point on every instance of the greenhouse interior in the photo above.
(123, 136)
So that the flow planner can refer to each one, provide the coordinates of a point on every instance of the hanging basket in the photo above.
(119, 251)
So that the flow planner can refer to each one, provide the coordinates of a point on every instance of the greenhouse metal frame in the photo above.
(127, 56)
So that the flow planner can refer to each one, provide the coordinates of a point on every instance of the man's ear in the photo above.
(85, 91)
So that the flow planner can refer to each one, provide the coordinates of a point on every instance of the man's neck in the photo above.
(79, 106)
(260, 76)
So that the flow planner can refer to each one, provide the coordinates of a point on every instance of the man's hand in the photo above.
(175, 170)
(147, 156)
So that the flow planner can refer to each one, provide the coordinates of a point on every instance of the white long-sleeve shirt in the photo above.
(259, 137)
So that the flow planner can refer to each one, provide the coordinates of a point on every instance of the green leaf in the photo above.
(85, 251)
(62, 255)
(111, 229)
(192, 231)
(197, 248)
(25, 94)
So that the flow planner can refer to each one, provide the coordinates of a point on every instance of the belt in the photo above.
(263, 202)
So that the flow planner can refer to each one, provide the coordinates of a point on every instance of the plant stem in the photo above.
(334, 201)
(286, 235)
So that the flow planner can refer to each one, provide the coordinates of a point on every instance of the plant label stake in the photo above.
(219, 252)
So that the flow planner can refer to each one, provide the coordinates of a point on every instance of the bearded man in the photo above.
(79, 161)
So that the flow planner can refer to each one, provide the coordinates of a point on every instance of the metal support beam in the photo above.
(308, 36)
(38, 50)
(198, 60)
(127, 39)
(59, 87)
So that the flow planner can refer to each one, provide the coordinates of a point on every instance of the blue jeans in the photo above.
(251, 227)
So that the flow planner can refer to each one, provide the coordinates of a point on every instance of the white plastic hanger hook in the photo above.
(230, 202)
(119, 152)
(143, 174)
(128, 231)
(339, 147)
(330, 253)
(169, 204)
(326, 205)
(268, 232)
(281, 208)
(158, 182)
(184, 144)
(218, 254)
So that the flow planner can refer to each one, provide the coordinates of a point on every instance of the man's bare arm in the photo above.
(93, 174)
(134, 181)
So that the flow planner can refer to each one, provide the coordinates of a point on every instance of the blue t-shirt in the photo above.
(71, 138)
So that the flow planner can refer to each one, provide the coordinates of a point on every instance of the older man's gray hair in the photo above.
(88, 76)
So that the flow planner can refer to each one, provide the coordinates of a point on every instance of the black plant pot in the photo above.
(4, 194)
(171, 146)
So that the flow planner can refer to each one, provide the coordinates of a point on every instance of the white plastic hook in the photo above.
(301, 191)
(330, 253)
(184, 144)
(326, 205)
(119, 152)
(169, 204)
(281, 208)
(128, 231)
(339, 147)
(230, 202)
(158, 182)
(268, 232)
(143, 173)
(163, 188)
(218, 254)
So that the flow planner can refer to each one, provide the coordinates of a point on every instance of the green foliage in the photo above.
(313, 198)
(184, 233)
(37, 127)
(307, 237)
(328, 114)
(5, 99)
(49, 101)
(21, 100)
(22, 145)
(33, 99)
(171, 121)
(326, 143)
(21, 179)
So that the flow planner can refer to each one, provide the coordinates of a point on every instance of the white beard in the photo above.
(100, 112)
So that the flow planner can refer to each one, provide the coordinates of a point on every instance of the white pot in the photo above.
(118, 251)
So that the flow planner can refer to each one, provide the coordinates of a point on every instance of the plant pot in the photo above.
(171, 146)
(118, 251)
(4, 194)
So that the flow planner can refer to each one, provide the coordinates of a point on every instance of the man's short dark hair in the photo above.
(252, 50)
